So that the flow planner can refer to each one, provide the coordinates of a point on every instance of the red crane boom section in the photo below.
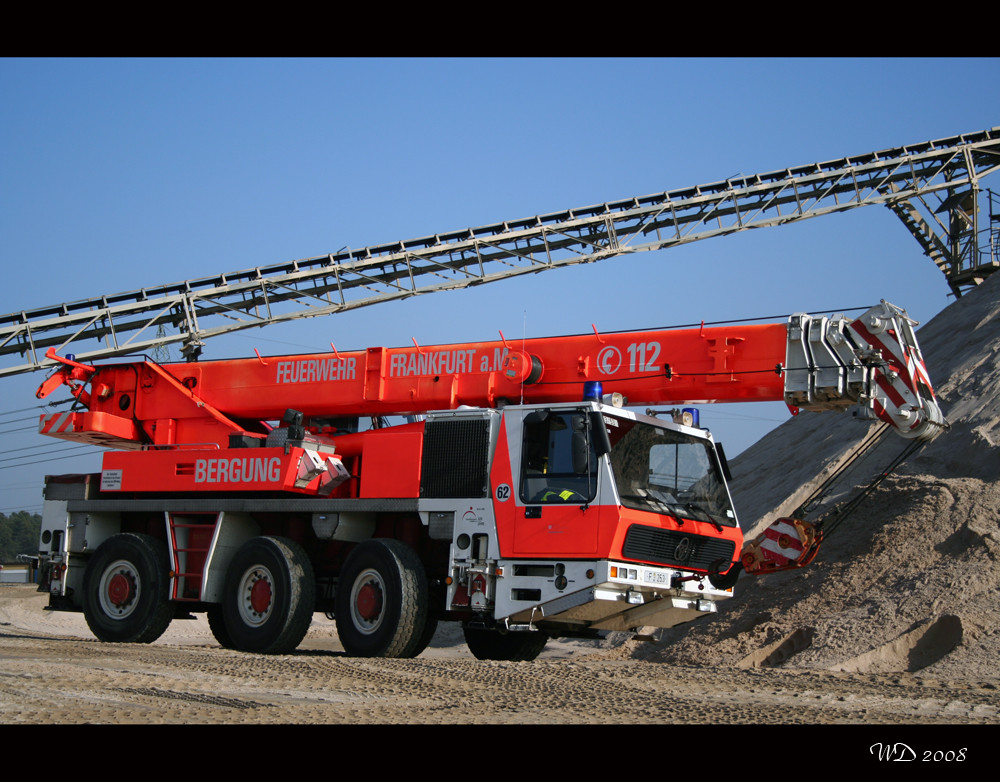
(141, 402)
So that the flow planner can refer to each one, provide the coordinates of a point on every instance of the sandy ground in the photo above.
(54, 672)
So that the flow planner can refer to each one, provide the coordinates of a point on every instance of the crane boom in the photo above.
(813, 363)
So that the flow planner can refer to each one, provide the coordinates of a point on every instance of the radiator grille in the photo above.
(678, 549)
(455, 459)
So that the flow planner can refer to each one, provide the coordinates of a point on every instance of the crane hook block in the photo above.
(785, 545)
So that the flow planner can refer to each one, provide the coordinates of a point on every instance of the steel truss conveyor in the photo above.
(190, 312)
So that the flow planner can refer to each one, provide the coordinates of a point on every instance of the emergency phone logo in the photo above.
(609, 360)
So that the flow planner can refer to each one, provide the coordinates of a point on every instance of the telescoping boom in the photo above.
(812, 363)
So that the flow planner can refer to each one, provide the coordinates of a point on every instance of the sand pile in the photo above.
(911, 581)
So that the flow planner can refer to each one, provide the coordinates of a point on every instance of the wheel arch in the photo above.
(232, 532)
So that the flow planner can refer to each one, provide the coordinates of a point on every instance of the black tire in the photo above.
(269, 597)
(217, 624)
(425, 637)
(382, 602)
(126, 590)
(493, 645)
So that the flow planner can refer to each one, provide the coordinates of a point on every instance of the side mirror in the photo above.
(602, 443)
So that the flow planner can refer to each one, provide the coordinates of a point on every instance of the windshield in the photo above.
(664, 471)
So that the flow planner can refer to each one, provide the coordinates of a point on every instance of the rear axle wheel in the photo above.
(382, 601)
(269, 597)
(126, 589)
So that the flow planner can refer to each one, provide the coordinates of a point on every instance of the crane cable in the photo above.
(832, 519)
(811, 535)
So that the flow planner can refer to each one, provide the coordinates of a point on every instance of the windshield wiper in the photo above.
(699, 513)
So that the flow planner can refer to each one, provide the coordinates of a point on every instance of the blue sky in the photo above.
(119, 174)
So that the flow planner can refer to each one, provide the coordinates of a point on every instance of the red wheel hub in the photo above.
(369, 602)
(260, 595)
(120, 589)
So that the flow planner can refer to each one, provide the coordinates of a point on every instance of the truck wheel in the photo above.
(382, 601)
(126, 590)
(494, 645)
(425, 637)
(269, 597)
(217, 624)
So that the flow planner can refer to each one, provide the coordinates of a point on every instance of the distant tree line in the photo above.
(19, 534)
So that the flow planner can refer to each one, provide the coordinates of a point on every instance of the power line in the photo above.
(60, 450)
(42, 461)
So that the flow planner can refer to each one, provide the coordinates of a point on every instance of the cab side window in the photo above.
(559, 464)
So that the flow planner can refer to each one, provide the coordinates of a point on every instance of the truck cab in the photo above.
(603, 519)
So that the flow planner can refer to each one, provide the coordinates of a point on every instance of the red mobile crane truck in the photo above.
(520, 498)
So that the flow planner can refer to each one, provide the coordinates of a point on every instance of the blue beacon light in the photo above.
(593, 391)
